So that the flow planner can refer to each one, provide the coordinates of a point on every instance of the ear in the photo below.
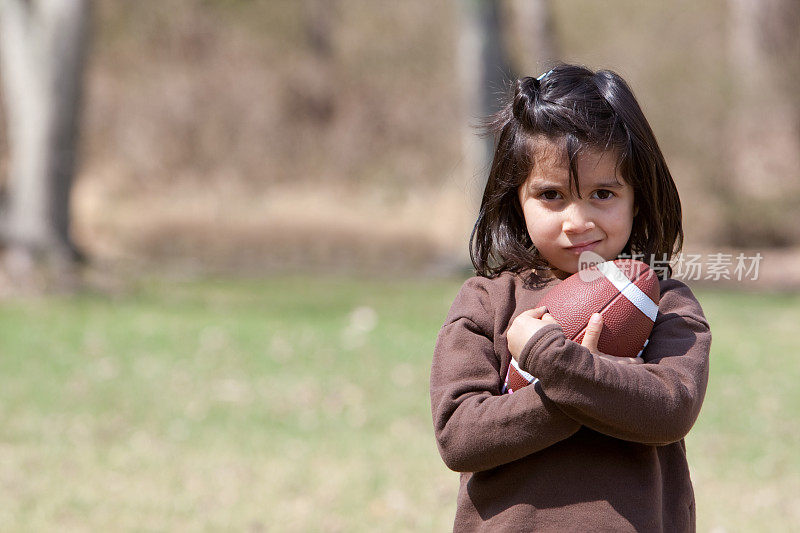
(635, 210)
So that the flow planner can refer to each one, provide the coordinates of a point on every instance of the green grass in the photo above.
(301, 404)
(744, 448)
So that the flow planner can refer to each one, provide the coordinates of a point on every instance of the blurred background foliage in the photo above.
(254, 149)
(275, 135)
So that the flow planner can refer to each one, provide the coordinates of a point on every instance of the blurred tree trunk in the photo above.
(42, 55)
(764, 145)
(531, 36)
(318, 91)
(490, 30)
(485, 72)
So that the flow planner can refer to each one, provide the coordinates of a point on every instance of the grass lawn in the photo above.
(301, 404)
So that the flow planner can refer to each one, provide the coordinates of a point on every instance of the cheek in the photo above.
(624, 221)
(530, 216)
(543, 231)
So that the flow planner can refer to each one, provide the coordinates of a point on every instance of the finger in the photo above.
(592, 334)
(547, 317)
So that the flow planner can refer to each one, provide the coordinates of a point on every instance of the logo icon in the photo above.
(587, 260)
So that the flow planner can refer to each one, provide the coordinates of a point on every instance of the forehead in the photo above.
(551, 162)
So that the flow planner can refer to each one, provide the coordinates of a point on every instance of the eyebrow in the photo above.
(599, 185)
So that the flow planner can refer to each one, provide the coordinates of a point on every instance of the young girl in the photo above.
(596, 444)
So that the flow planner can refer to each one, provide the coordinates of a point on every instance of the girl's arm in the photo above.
(653, 403)
(477, 427)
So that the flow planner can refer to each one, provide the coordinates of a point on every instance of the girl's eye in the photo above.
(550, 195)
(604, 194)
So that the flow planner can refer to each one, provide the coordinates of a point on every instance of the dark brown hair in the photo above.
(577, 109)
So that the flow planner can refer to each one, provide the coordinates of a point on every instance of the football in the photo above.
(624, 291)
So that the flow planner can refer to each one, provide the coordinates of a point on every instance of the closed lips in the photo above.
(581, 245)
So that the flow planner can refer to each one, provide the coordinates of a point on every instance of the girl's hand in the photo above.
(592, 336)
(524, 326)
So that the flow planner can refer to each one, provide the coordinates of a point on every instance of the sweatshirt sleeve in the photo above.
(477, 427)
(654, 403)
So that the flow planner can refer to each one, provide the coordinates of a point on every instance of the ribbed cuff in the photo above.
(545, 335)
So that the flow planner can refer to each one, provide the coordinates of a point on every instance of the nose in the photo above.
(577, 219)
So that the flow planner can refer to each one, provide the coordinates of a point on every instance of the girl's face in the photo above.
(560, 224)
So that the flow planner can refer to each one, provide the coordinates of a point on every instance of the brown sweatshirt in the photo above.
(594, 445)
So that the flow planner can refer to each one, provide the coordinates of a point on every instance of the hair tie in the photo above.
(543, 76)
